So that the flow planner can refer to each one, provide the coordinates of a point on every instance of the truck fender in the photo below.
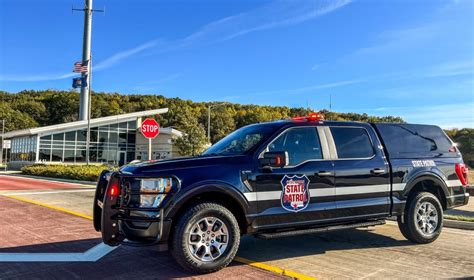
(426, 176)
(207, 187)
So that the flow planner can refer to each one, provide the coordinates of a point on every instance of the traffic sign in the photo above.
(150, 128)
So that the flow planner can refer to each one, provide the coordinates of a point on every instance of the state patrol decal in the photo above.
(295, 195)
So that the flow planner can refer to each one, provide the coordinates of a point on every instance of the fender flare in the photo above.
(426, 176)
(207, 187)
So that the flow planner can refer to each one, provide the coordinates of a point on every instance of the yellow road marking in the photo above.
(263, 266)
(282, 271)
(57, 208)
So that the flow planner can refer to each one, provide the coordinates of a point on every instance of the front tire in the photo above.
(423, 219)
(205, 238)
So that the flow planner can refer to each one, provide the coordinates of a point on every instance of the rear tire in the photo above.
(205, 238)
(423, 219)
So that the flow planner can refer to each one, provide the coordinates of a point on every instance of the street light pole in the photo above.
(209, 118)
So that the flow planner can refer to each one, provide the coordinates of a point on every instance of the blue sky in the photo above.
(413, 59)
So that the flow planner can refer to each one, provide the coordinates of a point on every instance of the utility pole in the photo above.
(86, 55)
(88, 138)
(85, 96)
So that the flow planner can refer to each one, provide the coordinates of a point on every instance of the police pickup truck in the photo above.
(290, 177)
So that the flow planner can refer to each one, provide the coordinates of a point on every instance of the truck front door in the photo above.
(302, 192)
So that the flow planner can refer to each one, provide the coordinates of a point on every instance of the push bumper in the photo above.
(121, 223)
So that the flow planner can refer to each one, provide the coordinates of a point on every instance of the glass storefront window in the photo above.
(69, 156)
(45, 155)
(103, 136)
(70, 146)
(70, 136)
(57, 155)
(113, 137)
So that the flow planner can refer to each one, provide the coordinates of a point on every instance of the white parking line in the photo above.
(48, 192)
(92, 255)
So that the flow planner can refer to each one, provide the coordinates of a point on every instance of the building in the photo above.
(114, 140)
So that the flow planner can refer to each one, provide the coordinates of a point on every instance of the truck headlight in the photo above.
(153, 191)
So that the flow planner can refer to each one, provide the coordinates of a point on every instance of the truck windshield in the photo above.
(240, 141)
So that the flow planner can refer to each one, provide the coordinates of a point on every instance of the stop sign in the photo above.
(150, 128)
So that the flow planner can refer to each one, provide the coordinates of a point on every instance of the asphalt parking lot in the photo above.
(49, 243)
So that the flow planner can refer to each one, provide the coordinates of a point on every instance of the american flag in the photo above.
(80, 67)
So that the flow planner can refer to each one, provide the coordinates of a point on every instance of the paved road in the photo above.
(379, 252)
(28, 228)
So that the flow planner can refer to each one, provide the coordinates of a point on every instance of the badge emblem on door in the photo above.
(295, 194)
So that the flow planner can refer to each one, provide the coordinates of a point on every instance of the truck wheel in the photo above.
(205, 238)
(423, 219)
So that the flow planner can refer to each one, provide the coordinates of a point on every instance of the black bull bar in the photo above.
(112, 214)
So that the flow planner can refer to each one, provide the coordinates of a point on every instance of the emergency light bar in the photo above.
(312, 117)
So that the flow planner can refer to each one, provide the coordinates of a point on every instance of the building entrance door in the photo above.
(121, 155)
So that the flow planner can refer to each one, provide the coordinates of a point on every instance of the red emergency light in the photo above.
(113, 190)
(312, 117)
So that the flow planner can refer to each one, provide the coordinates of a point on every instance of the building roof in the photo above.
(93, 122)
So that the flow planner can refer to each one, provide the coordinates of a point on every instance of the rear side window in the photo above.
(302, 144)
(414, 140)
(352, 142)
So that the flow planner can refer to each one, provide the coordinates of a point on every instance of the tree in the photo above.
(222, 123)
(62, 107)
(194, 141)
(15, 120)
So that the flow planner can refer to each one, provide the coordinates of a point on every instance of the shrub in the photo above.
(74, 172)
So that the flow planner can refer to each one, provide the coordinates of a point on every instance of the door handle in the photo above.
(324, 173)
(377, 171)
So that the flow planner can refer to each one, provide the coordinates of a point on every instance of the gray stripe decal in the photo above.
(272, 195)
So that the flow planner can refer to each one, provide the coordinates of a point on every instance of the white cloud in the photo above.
(274, 15)
(450, 69)
(310, 88)
(458, 115)
(401, 39)
(35, 77)
(316, 66)
(118, 57)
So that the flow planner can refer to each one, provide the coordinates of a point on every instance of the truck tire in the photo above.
(205, 238)
(423, 219)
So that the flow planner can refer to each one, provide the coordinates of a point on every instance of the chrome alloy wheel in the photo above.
(426, 218)
(208, 239)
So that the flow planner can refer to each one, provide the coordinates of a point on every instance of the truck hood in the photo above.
(167, 166)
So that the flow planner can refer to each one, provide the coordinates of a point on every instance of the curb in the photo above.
(448, 224)
(459, 224)
(53, 179)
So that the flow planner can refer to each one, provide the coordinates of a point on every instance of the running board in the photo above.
(272, 235)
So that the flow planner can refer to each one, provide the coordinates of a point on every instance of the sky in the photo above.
(413, 59)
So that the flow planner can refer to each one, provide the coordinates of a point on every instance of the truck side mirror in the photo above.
(274, 159)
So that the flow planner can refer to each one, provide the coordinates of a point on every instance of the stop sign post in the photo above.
(150, 129)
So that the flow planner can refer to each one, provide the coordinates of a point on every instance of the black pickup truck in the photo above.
(298, 176)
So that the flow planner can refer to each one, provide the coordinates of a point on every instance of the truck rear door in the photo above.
(362, 179)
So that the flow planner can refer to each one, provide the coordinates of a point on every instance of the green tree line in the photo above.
(30, 108)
